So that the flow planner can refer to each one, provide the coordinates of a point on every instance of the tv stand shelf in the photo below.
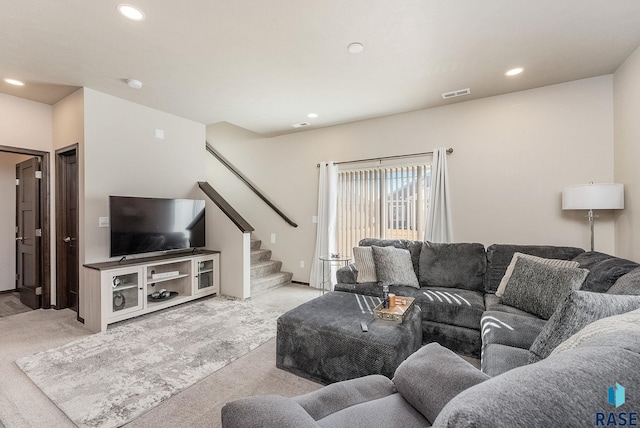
(117, 290)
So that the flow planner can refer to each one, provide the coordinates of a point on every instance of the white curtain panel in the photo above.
(439, 227)
(326, 230)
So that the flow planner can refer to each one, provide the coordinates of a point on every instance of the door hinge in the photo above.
(17, 276)
(38, 232)
(39, 175)
(17, 181)
(38, 291)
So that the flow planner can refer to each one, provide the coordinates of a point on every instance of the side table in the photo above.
(329, 260)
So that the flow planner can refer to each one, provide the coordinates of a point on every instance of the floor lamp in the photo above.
(593, 196)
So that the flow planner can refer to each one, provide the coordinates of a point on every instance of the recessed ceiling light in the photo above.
(131, 12)
(135, 84)
(312, 115)
(14, 82)
(355, 48)
(514, 71)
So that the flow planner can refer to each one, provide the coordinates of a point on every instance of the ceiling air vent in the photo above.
(301, 124)
(458, 93)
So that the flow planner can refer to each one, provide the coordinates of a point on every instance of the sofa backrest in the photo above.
(604, 270)
(499, 256)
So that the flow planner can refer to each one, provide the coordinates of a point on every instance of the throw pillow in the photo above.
(578, 309)
(363, 259)
(432, 376)
(619, 330)
(394, 267)
(628, 283)
(538, 288)
(514, 259)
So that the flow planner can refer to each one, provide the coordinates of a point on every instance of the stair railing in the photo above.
(225, 207)
(242, 178)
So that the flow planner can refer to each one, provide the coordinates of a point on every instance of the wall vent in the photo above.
(300, 125)
(458, 93)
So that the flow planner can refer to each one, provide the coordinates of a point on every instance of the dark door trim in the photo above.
(45, 207)
(62, 288)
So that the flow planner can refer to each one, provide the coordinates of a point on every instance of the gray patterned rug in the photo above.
(110, 378)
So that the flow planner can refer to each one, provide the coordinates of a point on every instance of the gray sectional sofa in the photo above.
(435, 387)
(548, 357)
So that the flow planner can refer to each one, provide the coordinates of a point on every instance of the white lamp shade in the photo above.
(595, 196)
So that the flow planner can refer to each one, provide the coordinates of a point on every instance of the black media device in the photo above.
(147, 225)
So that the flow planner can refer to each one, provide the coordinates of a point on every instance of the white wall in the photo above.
(122, 157)
(8, 163)
(626, 83)
(513, 155)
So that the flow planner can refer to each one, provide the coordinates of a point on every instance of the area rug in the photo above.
(110, 378)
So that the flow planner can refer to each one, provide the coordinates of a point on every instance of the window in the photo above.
(384, 202)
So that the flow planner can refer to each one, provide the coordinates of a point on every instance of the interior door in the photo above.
(67, 230)
(28, 274)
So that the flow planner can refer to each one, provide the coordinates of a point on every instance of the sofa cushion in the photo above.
(629, 283)
(563, 390)
(432, 376)
(578, 309)
(393, 266)
(452, 265)
(538, 288)
(510, 329)
(499, 257)
(452, 306)
(494, 303)
(604, 270)
(619, 330)
(389, 411)
(366, 267)
(551, 262)
(254, 412)
(337, 396)
(497, 359)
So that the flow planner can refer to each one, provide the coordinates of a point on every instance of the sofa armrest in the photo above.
(265, 411)
(338, 396)
(432, 376)
(347, 274)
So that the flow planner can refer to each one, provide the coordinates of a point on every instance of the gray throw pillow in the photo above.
(628, 283)
(432, 376)
(394, 267)
(538, 288)
(619, 330)
(576, 311)
(363, 259)
(514, 259)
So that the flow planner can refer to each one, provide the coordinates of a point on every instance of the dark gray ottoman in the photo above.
(322, 340)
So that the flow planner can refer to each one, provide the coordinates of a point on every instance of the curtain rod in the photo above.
(449, 151)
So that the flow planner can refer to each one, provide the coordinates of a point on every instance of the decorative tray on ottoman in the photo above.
(395, 313)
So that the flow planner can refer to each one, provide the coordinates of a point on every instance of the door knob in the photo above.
(19, 238)
(67, 239)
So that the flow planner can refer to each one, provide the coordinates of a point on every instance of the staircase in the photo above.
(265, 273)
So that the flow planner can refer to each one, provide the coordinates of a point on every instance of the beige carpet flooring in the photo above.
(22, 404)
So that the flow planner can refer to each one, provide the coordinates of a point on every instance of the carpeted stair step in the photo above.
(269, 282)
(255, 244)
(265, 267)
(260, 255)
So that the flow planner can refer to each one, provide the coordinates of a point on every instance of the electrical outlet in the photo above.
(103, 221)
(302, 264)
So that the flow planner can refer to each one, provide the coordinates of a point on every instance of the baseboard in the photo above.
(299, 282)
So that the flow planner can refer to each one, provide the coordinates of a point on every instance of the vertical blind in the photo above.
(387, 203)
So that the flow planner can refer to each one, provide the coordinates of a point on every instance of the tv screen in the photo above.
(146, 225)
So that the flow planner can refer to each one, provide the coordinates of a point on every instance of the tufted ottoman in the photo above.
(322, 339)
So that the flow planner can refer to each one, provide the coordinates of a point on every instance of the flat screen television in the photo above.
(147, 225)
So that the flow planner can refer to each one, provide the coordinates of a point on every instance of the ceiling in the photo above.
(265, 64)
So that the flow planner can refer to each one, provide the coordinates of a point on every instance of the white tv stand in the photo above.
(115, 291)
